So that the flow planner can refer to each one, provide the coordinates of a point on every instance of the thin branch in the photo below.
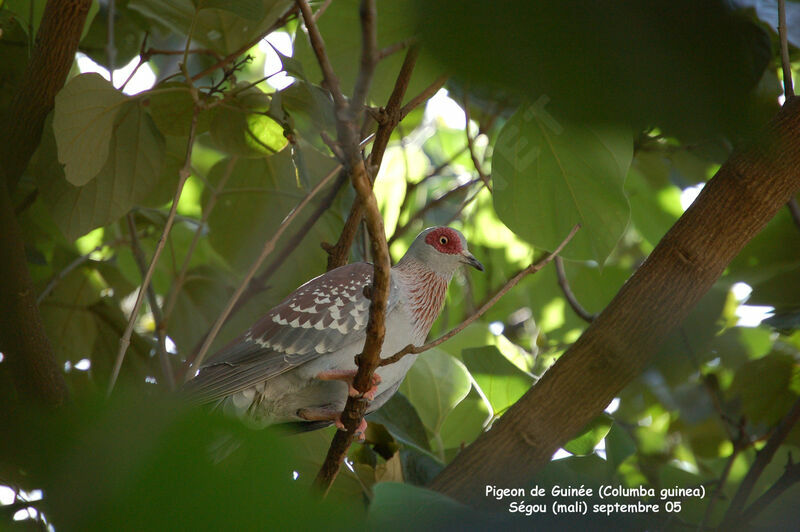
(183, 175)
(511, 283)
(360, 178)
(158, 316)
(435, 202)
(391, 115)
(423, 96)
(331, 82)
(369, 56)
(738, 445)
(322, 9)
(471, 146)
(69, 268)
(763, 458)
(172, 297)
(265, 251)
(786, 65)
(794, 210)
(791, 475)
(282, 20)
(394, 48)
(569, 295)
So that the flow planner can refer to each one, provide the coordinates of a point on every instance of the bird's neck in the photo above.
(426, 293)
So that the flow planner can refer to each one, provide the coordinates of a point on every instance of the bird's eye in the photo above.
(443, 240)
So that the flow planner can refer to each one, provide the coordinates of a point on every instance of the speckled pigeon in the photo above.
(296, 364)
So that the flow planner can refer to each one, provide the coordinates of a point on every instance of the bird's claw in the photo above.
(360, 431)
(369, 395)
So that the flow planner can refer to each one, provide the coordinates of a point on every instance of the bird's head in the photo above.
(442, 249)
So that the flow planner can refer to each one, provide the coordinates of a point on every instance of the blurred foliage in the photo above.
(601, 113)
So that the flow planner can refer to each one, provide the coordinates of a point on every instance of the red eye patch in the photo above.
(445, 240)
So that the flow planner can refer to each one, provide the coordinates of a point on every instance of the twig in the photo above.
(158, 316)
(471, 145)
(763, 458)
(143, 58)
(464, 205)
(111, 50)
(738, 445)
(401, 230)
(786, 65)
(511, 283)
(423, 96)
(321, 10)
(369, 57)
(69, 268)
(265, 251)
(791, 475)
(794, 210)
(569, 295)
(183, 175)
(172, 297)
(282, 20)
(394, 48)
(391, 116)
(367, 361)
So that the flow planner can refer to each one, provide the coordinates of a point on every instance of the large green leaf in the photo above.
(435, 384)
(223, 30)
(130, 173)
(243, 128)
(550, 175)
(764, 389)
(247, 9)
(590, 435)
(399, 416)
(85, 111)
(70, 326)
(502, 382)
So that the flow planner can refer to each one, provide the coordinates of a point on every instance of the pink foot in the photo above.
(348, 376)
(319, 414)
(360, 431)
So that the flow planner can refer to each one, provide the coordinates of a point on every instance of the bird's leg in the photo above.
(324, 414)
(347, 375)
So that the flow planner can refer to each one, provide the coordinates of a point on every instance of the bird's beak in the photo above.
(469, 258)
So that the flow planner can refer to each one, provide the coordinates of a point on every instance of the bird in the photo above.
(295, 365)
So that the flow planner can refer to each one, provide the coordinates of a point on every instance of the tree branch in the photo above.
(471, 146)
(790, 476)
(786, 65)
(158, 316)
(37, 376)
(183, 175)
(390, 117)
(763, 458)
(511, 283)
(568, 294)
(347, 132)
(734, 206)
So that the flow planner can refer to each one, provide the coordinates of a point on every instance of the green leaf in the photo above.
(399, 416)
(245, 129)
(435, 384)
(70, 326)
(550, 175)
(463, 424)
(502, 382)
(172, 110)
(590, 435)
(85, 111)
(222, 30)
(764, 388)
(619, 446)
(133, 168)
(431, 510)
(247, 9)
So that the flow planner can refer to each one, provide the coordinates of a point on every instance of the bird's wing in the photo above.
(320, 317)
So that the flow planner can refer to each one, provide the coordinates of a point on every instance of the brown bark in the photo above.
(733, 207)
(22, 339)
(56, 44)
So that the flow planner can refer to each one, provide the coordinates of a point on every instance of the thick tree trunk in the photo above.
(732, 208)
(22, 339)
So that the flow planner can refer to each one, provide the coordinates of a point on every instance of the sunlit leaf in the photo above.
(590, 435)
(550, 175)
